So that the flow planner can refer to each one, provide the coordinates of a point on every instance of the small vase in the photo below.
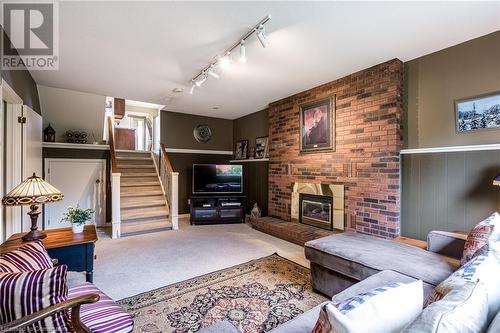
(77, 228)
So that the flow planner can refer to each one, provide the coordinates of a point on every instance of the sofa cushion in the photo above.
(104, 316)
(380, 279)
(495, 324)
(485, 267)
(29, 257)
(359, 256)
(25, 293)
(303, 323)
(389, 308)
(463, 310)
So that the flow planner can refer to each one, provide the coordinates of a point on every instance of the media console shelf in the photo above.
(217, 209)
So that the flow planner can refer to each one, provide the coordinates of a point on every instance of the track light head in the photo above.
(212, 73)
(225, 61)
(191, 91)
(261, 35)
(243, 53)
(203, 77)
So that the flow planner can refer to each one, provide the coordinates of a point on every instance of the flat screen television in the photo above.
(217, 178)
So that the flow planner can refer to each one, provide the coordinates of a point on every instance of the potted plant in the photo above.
(78, 217)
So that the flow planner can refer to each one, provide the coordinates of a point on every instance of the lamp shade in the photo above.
(33, 191)
(496, 180)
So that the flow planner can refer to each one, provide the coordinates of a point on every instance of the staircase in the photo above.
(143, 205)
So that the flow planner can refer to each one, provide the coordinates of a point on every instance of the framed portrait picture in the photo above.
(261, 147)
(478, 113)
(317, 126)
(241, 150)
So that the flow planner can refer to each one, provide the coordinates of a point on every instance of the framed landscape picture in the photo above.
(317, 126)
(261, 147)
(241, 150)
(478, 113)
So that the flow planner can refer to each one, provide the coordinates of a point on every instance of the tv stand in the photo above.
(213, 209)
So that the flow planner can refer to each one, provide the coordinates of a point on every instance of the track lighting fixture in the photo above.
(243, 54)
(211, 72)
(261, 35)
(224, 61)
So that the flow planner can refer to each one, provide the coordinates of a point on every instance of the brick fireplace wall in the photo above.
(366, 160)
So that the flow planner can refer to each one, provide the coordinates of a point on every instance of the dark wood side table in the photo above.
(74, 250)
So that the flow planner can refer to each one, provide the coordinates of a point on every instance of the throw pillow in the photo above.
(322, 325)
(462, 310)
(484, 266)
(389, 309)
(29, 257)
(488, 229)
(28, 292)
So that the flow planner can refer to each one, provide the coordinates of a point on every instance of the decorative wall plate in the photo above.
(202, 133)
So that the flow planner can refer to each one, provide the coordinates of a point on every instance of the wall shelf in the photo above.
(250, 160)
(66, 145)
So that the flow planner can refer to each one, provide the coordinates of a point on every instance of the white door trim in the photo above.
(9, 95)
(81, 160)
(13, 156)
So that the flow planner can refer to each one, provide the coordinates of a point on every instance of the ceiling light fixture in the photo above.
(224, 61)
(261, 35)
(212, 73)
(191, 91)
(243, 53)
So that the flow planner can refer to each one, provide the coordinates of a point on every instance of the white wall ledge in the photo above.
(66, 145)
(198, 151)
(451, 149)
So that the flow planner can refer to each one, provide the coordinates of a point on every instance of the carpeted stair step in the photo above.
(142, 202)
(142, 193)
(138, 174)
(131, 229)
(143, 214)
(140, 183)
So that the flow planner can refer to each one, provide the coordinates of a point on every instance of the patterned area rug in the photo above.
(256, 297)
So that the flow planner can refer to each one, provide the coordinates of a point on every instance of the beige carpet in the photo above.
(256, 297)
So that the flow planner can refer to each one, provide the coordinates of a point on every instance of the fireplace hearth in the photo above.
(316, 210)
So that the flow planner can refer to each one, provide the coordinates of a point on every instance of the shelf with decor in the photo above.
(250, 160)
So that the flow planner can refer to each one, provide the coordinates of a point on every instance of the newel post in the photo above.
(115, 205)
(174, 200)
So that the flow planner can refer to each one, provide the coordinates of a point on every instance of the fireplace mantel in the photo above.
(334, 190)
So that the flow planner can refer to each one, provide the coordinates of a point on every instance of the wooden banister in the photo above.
(165, 158)
(112, 151)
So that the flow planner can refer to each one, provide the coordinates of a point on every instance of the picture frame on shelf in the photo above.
(261, 147)
(477, 113)
(241, 150)
(317, 125)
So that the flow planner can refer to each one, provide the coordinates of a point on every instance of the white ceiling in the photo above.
(143, 50)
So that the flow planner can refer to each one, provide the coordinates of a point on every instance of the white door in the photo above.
(83, 183)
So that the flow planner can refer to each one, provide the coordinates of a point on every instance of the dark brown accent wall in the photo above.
(251, 126)
(23, 84)
(448, 191)
(83, 154)
(183, 163)
(368, 140)
(177, 131)
(255, 174)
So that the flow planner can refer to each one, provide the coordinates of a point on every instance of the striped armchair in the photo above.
(29, 273)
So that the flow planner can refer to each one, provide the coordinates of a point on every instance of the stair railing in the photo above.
(170, 183)
(115, 184)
